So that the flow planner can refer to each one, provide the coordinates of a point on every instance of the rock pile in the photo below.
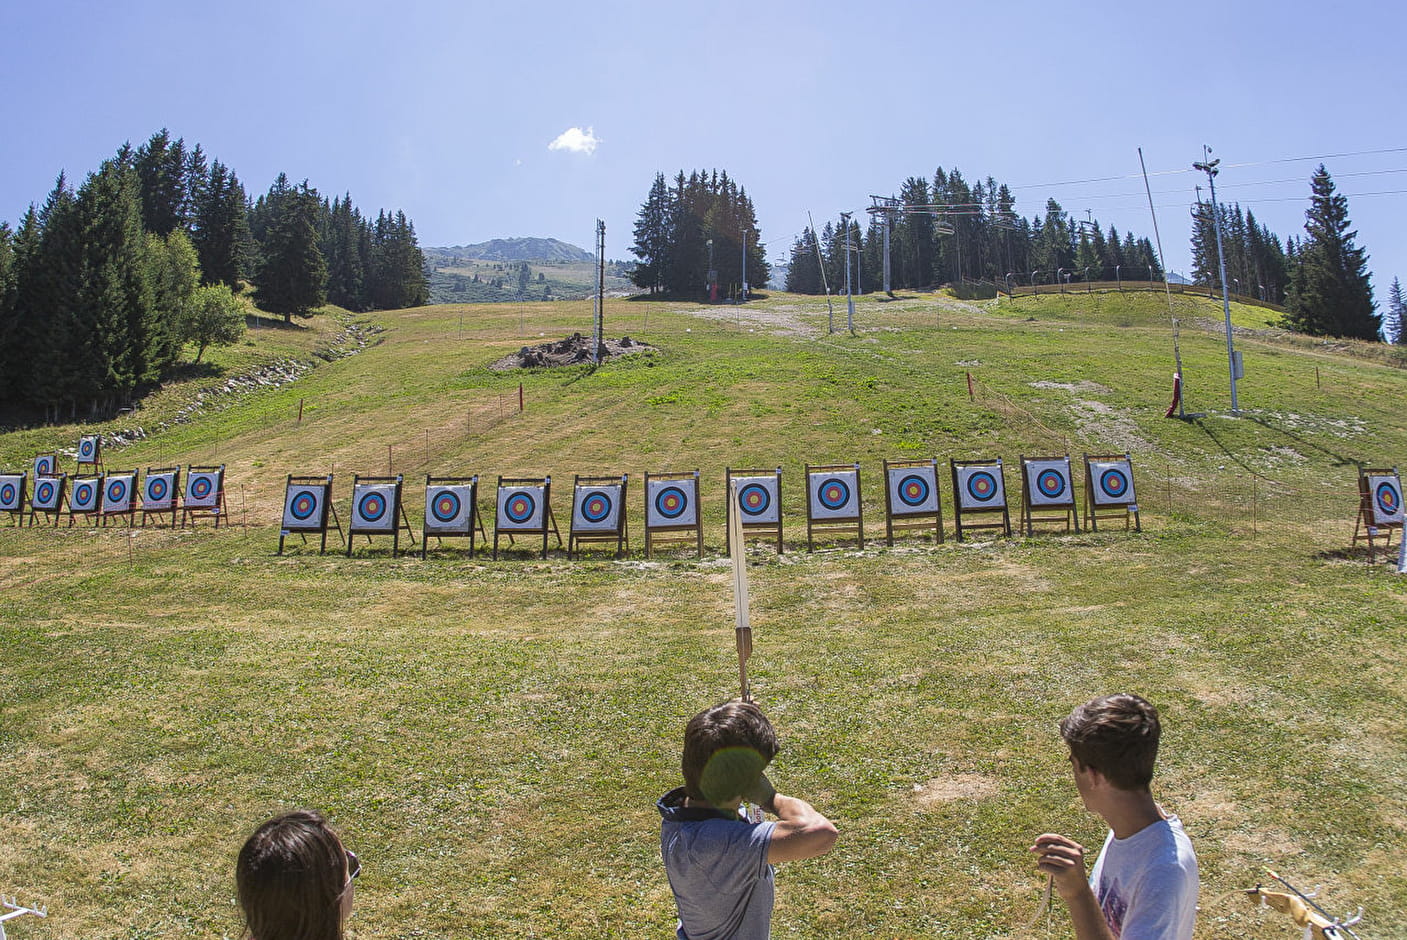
(574, 350)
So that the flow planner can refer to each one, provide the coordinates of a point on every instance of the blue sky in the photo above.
(448, 110)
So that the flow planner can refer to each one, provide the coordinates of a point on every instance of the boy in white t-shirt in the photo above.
(1144, 883)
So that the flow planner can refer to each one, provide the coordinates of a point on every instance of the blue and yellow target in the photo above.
(979, 487)
(1048, 483)
(520, 508)
(303, 508)
(202, 490)
(44, 466)
(1112, 483)
(755, 500)
(88, 448)
(84, 497)
(834, 495)
(46, 494)
(373, 507)
(118, 493)
(1387, 499)
(158, 491)
(982, 486)
(11, 493)
(913, 491)
(596, 508)
(671, 503)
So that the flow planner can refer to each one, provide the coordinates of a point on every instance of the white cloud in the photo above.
(576, 140)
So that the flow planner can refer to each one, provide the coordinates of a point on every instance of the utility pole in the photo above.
(744, 266)
(1210, 168)
(598, 334)
(849, 295)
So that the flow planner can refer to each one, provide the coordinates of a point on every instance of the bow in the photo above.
(1316, 921)
(740, 602)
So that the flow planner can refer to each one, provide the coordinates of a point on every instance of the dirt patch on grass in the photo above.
(953, 787)
(574, 350)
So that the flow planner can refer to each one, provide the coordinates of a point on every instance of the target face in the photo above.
(448, 508)
(202, 490)
(303, 508)
(835, 495)
(913, 491)
(1048, 483)
(1387, 500)
(671, 503)
(520, 508)
(596, 509)
(758, 499)
(88, 449)
(46, 495)
(980, 487)
(84, 497)
(374, 507)
(119, 493)
(159, 491)
(44, 466)
(11, 493)
(1113, 482)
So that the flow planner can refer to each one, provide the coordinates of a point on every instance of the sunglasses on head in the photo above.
(354, 865)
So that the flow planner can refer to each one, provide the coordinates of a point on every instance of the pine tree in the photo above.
(1395, 317)
(220, 231)
(653, 238)
(804, 268)
(292, 273)
(161, 165)
(1332, 294)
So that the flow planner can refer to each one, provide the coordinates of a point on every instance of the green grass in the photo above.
(490, 737)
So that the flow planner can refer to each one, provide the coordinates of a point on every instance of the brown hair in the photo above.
(290, 876)
(1116, 735)
(726, 748)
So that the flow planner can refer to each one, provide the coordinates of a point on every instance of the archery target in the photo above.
(1112, 482)
(88, 446)
(119, 492)
(303, 507)
(520, 508)
(44, 466)
(203, 489)
(913, 491)
(758, 499)
(596, 508)
(835, 494)
(47, 495)
(1048, 483)
(159, 491)
(374, 507)
(980, 487)
(1386, 492)
(84, 496)
(12, 492)
(671, 503)
(449, 508)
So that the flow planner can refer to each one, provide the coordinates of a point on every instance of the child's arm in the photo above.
(1064, 860)
(801, 832)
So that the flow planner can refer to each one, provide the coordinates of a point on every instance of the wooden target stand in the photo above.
(119, 499)
(14, 490)
(598, 514)
(1109, 491)
(768, 520)
(1380, 510)
(1048, 494)
(88, 491)
(451, 511)
(511, 519)
(912, 502)
(301, 517)
(90, 455)
(205, 494)
(673, 515)
(992, 474)
(833, 506)
(48, 497)
(377, 510)
(159, 489)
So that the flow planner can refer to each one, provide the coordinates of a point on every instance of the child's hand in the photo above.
(1064, 860)
(761, 793)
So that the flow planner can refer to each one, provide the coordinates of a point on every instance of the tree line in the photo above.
(696, 237)
(945, 231)
(104, 287)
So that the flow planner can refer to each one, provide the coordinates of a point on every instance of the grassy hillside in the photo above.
(490, 736)
(461, 280)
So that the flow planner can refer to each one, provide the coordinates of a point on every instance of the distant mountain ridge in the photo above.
(516, 249)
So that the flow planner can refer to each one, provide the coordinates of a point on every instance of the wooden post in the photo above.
(300, 411)
(388, 459)
(969, 387)
(520, 398)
